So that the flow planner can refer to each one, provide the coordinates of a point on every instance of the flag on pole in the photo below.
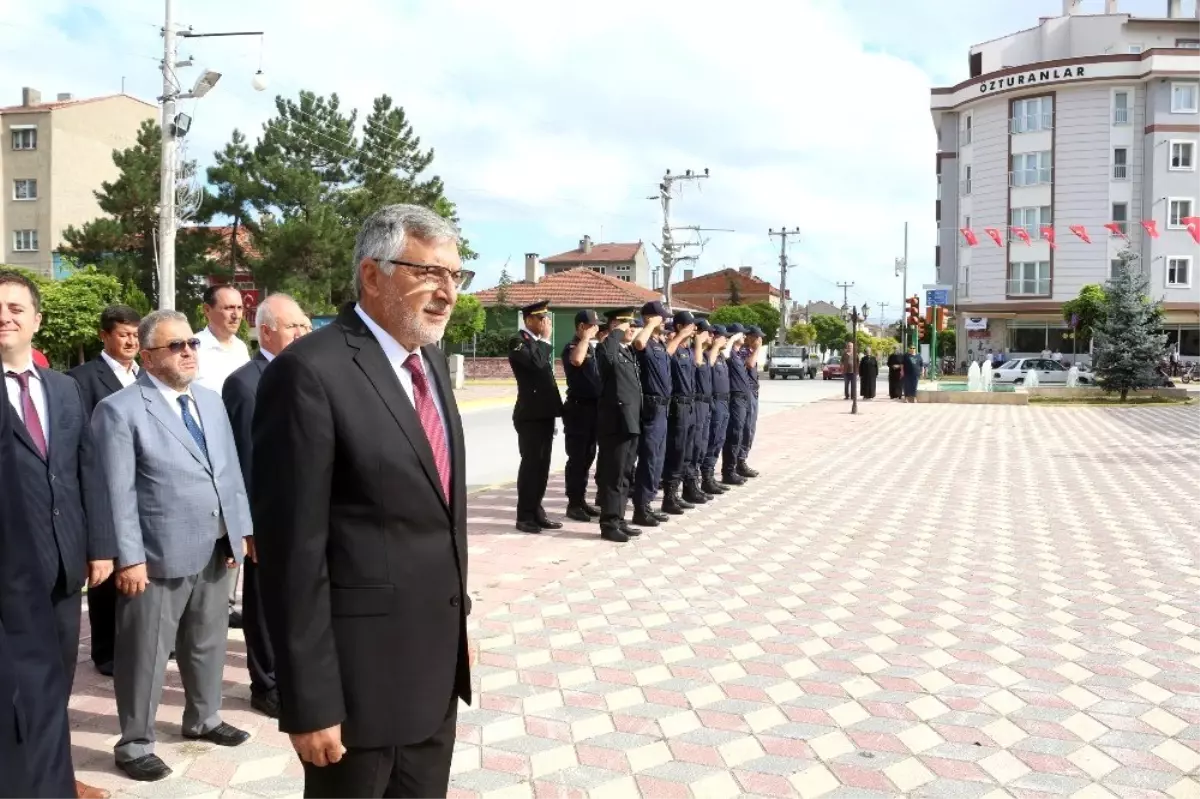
(1115, 229)
(995, 234)
(1021, 234)
(1151, 227)
(1048, 235)
(969, 236)
(1193, 226)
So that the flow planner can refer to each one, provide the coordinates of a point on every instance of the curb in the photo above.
(489, 402)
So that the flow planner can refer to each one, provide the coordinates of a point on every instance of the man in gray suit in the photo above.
(182, 523)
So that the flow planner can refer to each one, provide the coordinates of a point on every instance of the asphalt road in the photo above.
(492, 443)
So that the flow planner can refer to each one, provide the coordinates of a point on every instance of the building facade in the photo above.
(53, 156)
(1083, 121)
(626, 262)
(724, 287)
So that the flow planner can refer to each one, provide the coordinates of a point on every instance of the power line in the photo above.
(669, 251)
(783, 234)
(845, 287)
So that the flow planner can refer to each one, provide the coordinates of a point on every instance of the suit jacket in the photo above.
(96, 380)
(619, 411)
(362, 560)
(70, 521)
(170, 503)
(532, 363)
(35, 754)
(238, 393)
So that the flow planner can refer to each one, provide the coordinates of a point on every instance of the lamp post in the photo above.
(854, 315)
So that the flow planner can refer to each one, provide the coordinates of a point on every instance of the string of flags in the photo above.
(1047, 232)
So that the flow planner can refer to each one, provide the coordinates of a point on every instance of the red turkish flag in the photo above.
(1021, 234)
(1151, 227)
(995, 234)
(969, 235)
(1193, 226)
(1081, 232)
(1048, 235)
(1115, 229)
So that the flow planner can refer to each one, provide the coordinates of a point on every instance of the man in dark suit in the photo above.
(70, 526)
(531, 356)
(360, 511)
(280, 322)
(112, 370)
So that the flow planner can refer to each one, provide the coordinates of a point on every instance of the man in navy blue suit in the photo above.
(70, 526)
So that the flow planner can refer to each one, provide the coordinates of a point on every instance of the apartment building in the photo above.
(1082, 121)
(626, 261)
(53, 156)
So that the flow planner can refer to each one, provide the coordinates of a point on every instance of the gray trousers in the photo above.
(189, 615)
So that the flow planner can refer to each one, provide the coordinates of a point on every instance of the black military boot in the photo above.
(745, 471)
(577, 512)
(643, 516)
(657, 514)
(590, 510)
(732, 479)
(692, 492)
(671, 503)
(711, 486)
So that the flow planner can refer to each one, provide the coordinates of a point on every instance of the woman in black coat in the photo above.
(868, 370)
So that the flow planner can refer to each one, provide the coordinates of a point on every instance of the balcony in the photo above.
(1043, 176)
(1121, 116)
(1120, 171)
(1021, 287)
(1030, 123)
(964, 187)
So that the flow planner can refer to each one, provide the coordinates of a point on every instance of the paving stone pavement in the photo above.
(919, 601)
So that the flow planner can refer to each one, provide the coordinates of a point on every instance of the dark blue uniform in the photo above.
(718, 415)
(702, 410)
(655, 367)
(752, 410)
(618, 421)
(681, 420)
(739, 407)
(579, 420)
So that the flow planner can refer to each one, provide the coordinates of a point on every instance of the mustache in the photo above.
(437, 306)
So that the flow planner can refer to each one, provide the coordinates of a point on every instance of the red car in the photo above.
(832, 369)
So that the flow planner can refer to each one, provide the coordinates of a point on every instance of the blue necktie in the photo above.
(192, 426)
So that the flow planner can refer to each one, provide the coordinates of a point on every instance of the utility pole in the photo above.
(783, 234)
(902, 268)
(845, 287)
(669, 249)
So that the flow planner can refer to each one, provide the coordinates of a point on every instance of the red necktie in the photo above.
(428, 414)
(33, 422)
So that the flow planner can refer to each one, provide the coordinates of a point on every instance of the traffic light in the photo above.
(942, 318)
(913, 306)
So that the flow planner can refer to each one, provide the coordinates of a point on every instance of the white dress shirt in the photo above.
(172, 397)
(218, 361)
(127, 377)
(266, 354)
(397, 355)
(37, 392)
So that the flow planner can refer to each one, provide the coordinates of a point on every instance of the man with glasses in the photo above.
(280, 322)
(182, 524)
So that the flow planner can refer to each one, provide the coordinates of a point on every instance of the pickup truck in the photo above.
(785, 361)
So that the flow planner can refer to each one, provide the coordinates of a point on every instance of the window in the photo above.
(965, 189)
(1188, 44)
(1031, 169)
(598, 269)
(1121, 108)
(964, 282)
(1185, 98)
(24, 138)
(25, 240)
(1183, 155)
(1120, 215)
(1114, 268)
(962, 241)
(1031, 220)
(1032, 114)
(25, 189)
(1179, 271)
(1120, 163)
(1135, 49)
(939, 186)
(1178, 209)
(624, 272)
(966, 130)
(1029, 278)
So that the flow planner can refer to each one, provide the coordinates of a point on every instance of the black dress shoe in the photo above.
(578, 513)
(235, 620)
(591, 510)
(546, 524)
(616, 536)
(222, 735)
(659, 515)
(528, 527)
(147, 768)
(630, 530)
(105, 668)
(644, 517)
(266, 703)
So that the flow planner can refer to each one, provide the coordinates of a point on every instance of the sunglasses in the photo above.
(177, 347)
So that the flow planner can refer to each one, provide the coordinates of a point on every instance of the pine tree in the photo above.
(1128, 341)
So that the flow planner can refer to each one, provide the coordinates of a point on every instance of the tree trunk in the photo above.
(80, 353)
(1124, 394)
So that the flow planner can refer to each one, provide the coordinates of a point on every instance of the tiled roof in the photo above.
(607, 253)
(245, 242)
(54, 105)
(577, 288)
(703, 284)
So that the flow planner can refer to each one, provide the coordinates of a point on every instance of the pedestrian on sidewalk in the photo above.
(535, 414)
(618, 423)
(582, 370)
(911, 370)
(895, 365)
(849, 368)
(868, 369)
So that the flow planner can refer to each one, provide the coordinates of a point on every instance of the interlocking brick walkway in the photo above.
(924, 601)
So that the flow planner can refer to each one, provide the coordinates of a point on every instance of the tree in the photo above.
(801, 333)
(1087, 308)
(831, 331)
(466, 321)
(502, 287)
(136, 299)
(232, 175)
(735, 291)
(71, 313)
(760, 314)
(1128, 344)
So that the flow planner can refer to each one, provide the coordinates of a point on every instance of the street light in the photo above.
(854, 316)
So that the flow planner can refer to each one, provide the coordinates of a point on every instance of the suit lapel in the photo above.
(107, 377)
(52, 425)
(156, 405)
(22, 434)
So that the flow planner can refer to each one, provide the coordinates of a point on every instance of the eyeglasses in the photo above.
(177, 347)
(433, 273)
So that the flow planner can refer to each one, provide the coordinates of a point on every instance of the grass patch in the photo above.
(1110, 401)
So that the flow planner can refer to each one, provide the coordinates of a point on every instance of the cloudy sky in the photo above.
(552, 120)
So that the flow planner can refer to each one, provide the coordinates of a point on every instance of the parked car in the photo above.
(833, 368)
(786, 361)
(1049, 372)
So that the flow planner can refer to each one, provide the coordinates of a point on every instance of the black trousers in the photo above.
(614, 476)
(680, 429)
(102, 619)
(739, 407)
(68, 613)
(260, 655)
(535, 442)
(579, 434)
(415, 770)
(14, 755)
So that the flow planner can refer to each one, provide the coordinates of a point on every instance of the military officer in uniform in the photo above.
(751, 350)
(739, 407)
(579, 412)
(718, 410)
(681, 417)
(618, 423)
(702, 399)
(538, 406)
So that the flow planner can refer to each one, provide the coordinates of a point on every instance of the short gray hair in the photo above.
(385, 232)
(151, 322)
(265, 315)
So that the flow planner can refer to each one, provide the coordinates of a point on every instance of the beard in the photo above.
(413, 326)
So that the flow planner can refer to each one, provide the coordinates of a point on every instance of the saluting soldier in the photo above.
(692, 490)
(579, 412)
(719, 415)
(681, 418)
(750, 351)
(538, 406)
(739, 407)
(618, 424)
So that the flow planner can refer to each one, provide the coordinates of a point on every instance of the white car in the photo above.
(1048, 372)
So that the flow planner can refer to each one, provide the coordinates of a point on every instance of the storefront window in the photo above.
(1189, 341)
(1026, 339)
